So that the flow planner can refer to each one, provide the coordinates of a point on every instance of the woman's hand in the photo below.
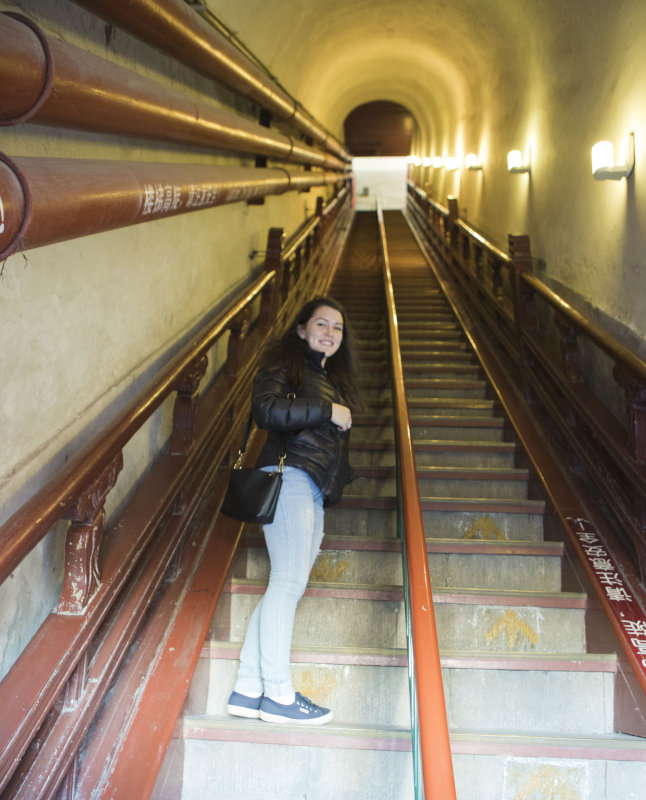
(341, 416)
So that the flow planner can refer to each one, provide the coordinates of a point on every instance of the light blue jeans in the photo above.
(293, 541)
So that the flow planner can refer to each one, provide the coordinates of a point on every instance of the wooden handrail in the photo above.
(568, 429)
(58, 684)
(22, 531)
(605, 340)
(435, 746)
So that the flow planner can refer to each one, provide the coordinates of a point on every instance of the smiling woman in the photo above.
(323, 331)
(304, 407)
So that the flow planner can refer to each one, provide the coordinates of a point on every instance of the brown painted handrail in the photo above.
(52, 200)
(175, 28)
(126, 570)
(51, 82)
(589, 435)
(437, 766)
(22, 532)
(600, 336)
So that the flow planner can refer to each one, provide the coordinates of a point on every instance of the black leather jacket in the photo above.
(314, 444)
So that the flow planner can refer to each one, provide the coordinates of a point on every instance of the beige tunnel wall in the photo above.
(85, 323)
(490, 77)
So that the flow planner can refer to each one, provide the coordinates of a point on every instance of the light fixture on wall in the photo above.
(426, 161)
(517, 162)
(438, 162)
(603, 159)
(472, 161)
(451, 164)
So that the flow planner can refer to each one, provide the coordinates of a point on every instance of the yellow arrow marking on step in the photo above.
(327, 570)
(317, 683)
(514, 627)
(484, 528)
(549, 783)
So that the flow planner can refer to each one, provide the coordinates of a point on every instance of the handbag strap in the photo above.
(243, 446)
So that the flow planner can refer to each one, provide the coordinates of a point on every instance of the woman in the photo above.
(301, 396)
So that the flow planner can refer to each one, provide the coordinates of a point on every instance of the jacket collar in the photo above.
(314, 357)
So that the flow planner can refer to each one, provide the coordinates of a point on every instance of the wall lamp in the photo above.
(603, 159)
(472, 161)
(426, 161)
(451, 164)
(438, 162)
(516, 162)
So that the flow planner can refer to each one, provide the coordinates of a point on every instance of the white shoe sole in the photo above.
(241, 711)
(280, 720)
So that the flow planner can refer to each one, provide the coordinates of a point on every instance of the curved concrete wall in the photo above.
(488, 78)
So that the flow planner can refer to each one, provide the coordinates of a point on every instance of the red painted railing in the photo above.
(435, 747)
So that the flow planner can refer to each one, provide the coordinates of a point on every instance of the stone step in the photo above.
(550, 693)
(412, 333)
(379, 402)
(444, 518)
(450, 406)
(445, 482)
(437, 427)
(438, 355)
(356, 616)
(457, 454)
(452, 563)
(420, 386)
(418, 347)
(339, 762)
(254, 761)
(441, 369)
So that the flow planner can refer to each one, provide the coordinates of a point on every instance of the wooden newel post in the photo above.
(274, 261)
(524, 301)
(524, 306)
(185, 407)
(635, 391)
(237, 335)
(454, 215)
(320, 228)
(569, 342)
(87, 518)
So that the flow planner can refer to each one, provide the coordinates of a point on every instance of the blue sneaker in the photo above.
(301, 712)
(240, 705)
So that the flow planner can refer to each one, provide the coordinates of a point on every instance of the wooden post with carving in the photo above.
(454, 215)
(185, 407)
(635, 391)
(524, 307)
(274, 261)
(87, 519)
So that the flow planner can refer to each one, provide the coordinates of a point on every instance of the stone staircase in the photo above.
(530, 711)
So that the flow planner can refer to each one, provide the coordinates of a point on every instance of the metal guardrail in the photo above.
(431, 745)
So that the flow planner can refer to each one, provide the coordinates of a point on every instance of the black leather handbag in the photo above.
(252, 493)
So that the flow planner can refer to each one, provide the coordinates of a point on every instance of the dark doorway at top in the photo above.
(380, 128)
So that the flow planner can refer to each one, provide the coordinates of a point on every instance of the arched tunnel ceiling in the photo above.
(440, 58)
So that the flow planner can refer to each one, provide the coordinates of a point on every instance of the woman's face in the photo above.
(323, 331)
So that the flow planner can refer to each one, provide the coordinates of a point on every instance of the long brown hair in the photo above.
(289, 352)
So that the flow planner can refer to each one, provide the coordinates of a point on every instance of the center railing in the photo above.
(431, 745)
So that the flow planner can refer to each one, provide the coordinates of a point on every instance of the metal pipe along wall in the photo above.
(52, 200)
(175, 28)
(53, 83)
